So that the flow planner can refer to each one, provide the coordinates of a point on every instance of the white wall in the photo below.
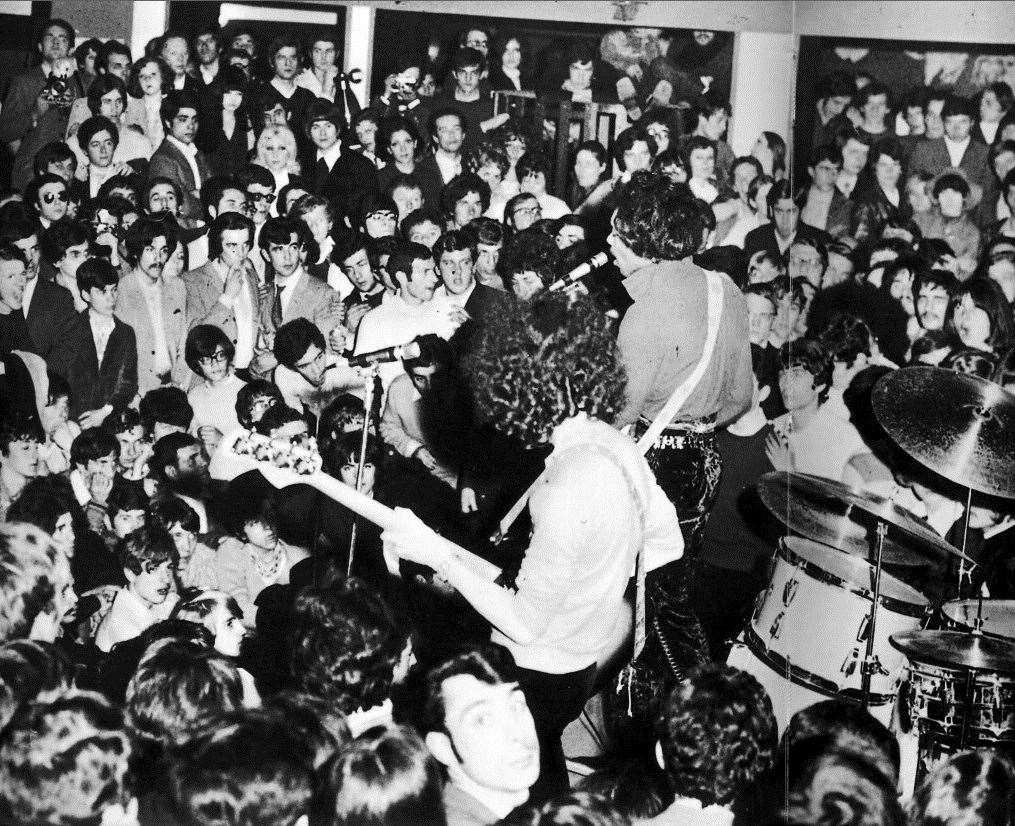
(764, 69)
(969, 21)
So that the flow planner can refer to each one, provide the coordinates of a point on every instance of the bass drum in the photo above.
(811, 623)
(998, 616)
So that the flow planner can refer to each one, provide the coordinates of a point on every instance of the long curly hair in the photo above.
(535, 365)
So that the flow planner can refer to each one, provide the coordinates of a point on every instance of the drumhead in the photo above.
(998, 615)
(849, 571)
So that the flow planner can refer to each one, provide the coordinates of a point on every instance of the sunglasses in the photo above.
(50, 197)
(261, 196)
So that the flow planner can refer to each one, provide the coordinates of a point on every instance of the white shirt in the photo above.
(102, 328)
(179, 81)
(449, 167)
(190, 153)
(26, 296)
(289, 287)
(283, 88)
(396, 322)
(553, 207)
(824, 446)
(209, 74)
(243, 310)
(331, 154)
(442, 294)
(151, 292)
(956, 150)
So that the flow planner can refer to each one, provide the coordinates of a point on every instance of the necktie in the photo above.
(276, 307)
(321, 173)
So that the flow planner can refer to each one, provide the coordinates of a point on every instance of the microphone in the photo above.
(600, 259)
(385, 355)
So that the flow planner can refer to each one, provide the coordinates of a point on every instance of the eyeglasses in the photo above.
(535, 209)
(261, 196)
(49, 197)
(218, 357)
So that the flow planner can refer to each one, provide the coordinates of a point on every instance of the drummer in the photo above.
(810, 437)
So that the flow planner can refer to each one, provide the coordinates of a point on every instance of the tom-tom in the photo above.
(812, 621)
(940, 701)
(998, 616)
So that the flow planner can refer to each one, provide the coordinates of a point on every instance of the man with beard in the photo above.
(179, 465)
(154, 306)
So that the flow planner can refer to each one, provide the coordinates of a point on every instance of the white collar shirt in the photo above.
(190, 153)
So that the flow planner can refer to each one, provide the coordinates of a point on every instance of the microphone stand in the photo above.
(370, 391)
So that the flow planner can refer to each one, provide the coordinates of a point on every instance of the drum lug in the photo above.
(849, 664)
(861, 632)
(789, 592)
(776, 629)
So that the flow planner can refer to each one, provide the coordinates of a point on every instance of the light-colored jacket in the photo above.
(132, 309)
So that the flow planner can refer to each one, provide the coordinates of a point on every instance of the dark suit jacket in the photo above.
(350, 182)
(429, 174)
(50, 317)
(478, 305)
(169, 162)
(763, 238)
(932, 157)
(94, 385)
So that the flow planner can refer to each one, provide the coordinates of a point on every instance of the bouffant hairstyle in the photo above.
(145, 549)
(145, 230)
(845, 338)
(460, 186)
(42, 502)
(385, 776)
(344, 645)
(178, 690)
(718, 734)
(535, 365)
(313, 721)
(530, 251)
(809, 355)
(657, 219)
(970, 787)
(27, 578)
(64, 762)
(202, 342)
(987, 295)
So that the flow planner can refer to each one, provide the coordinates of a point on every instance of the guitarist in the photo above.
(550, 372)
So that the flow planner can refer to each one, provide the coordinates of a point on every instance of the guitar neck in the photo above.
(384, 517)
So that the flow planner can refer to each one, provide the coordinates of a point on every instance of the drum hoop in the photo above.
(819, 574)
(801, 676)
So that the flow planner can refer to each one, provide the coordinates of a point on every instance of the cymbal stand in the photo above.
(368, 403)
(871, 664)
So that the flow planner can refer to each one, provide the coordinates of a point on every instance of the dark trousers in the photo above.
(554, 700)
(723, 600)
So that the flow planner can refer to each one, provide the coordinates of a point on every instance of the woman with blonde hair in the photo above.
(276, 152)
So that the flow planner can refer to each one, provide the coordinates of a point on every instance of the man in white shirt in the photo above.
(477, 724)
(176, 53)
(854, 158)
(412, 312)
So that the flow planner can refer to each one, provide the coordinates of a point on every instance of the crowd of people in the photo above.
(193, 249)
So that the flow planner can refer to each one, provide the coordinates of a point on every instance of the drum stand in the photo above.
(368, 402)
(871, 664)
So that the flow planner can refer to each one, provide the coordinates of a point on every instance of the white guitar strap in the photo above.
(688, 385)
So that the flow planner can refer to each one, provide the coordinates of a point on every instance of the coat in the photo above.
(131, 308)
(932, 156)
(94, 385)
(350, 182)
(168, 162)
(204, 286)
(50, 317)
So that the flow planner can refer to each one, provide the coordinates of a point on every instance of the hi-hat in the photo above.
(843, 517)
(960, 426)
(957, 649)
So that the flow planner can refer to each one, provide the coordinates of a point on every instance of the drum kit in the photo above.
(833, 623)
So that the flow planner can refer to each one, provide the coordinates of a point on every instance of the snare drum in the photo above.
(942, 700)
(998, 616)
(811, 623)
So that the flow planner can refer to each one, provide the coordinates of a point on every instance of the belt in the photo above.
(705, 424)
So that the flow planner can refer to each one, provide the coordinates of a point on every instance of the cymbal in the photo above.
(959, 426)
(956, 649)
(838, 515)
